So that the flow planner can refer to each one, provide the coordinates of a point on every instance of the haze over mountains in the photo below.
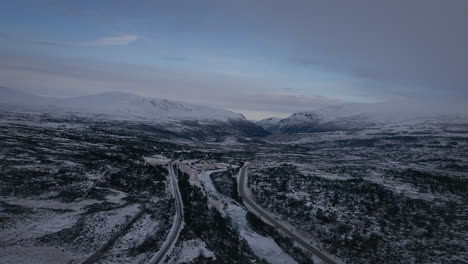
(118, 105)
(126, 106)
(176, 118)
(360, 115)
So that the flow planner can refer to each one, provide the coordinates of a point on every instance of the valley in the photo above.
(234, 132)
(84, 190)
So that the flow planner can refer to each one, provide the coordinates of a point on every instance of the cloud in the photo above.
(419, 44)
(122, 40)
(60, 77)
(397, 48)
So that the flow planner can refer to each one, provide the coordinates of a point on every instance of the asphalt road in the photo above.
(174, 233)
(284, 229)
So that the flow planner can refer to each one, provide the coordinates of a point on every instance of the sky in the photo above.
(261, 58)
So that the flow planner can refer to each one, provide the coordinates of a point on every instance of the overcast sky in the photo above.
(261, 58)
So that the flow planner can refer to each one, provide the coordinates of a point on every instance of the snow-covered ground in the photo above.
(157, 160)
(69, 189)
(263, 247)
(387, 187)
(190, 250)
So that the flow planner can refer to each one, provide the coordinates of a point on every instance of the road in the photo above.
(176, 226)
(258, 210)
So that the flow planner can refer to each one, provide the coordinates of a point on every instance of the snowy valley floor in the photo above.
(75, 189)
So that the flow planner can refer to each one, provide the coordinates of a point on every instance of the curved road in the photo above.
(176, 226)
(252, 206)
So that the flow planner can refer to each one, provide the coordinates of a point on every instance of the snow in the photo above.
(194, 179)
(42, 223)
(192, 249)
(156, 160)
(268, 122)
(116, 105)
(266, 248)
(230, 141)
(263, 247)
(50, 204)
(115, 218)
(208, 183)
(363, 115)
(390, 111)
(136, 235)
(299, 233)
(175, 229)
(116, 196)
(36, 255)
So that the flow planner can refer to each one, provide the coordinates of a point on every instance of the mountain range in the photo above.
(118, 105)
(185, 119)
(352, 116)
(203, 121)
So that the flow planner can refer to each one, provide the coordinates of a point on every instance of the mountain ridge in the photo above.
(184, 119)
(118, 105)
(352, 116)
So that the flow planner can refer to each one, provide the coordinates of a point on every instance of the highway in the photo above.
(259, 211)
(171, 239)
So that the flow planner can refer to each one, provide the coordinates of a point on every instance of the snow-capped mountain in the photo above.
(181, 118)
(15, 98)
(306, 122)
(359, 115)
(118, 105)
(132, 106)
(268, 123)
